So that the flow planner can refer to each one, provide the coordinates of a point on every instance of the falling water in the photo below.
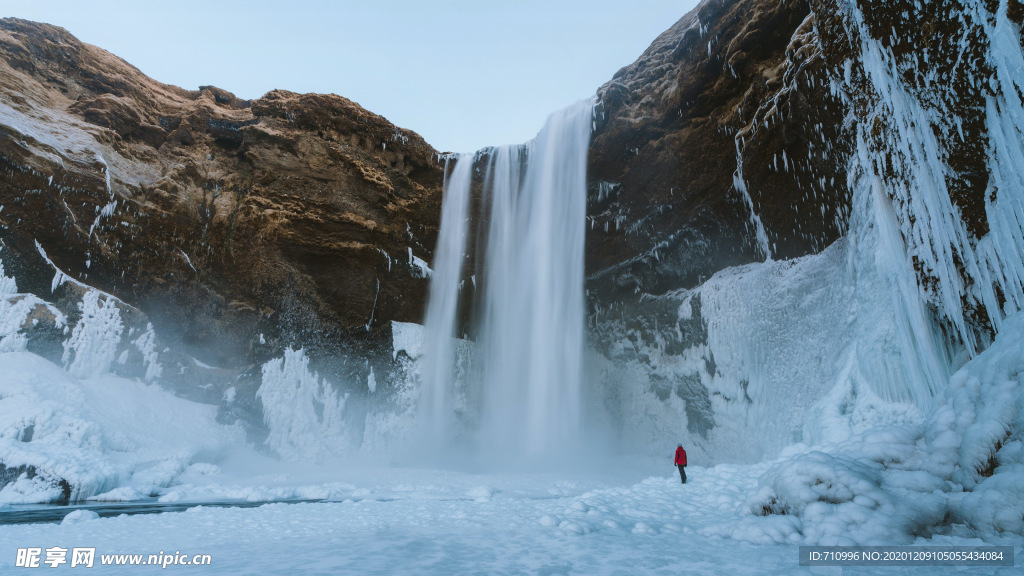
(531, 307)
(532, 330)
(435, 414)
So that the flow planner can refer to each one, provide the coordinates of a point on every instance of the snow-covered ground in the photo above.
(403, 520)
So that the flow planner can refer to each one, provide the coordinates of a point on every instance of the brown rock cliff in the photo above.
(290, 216)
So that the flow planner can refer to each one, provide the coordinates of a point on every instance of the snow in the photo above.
(99, 433)
(962, 464)
(886, 476)
(79, 516)
(405, 520)
(407, 337)
(838, 410)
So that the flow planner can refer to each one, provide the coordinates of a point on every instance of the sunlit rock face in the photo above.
(292, 215)
(238, 226)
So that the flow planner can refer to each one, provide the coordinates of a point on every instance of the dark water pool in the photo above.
(41, 513)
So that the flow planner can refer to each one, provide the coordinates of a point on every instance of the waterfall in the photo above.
(530, 308)
(435, 411)
(532, 331)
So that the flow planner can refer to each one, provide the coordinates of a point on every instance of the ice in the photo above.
(146, 345)
(93, 344)
(120, 494)
(433, 521)
(760, 235)
(96, 433)
(419, 265)
(79, 516)
(882, 485)
(846, 397)
(303, 412)
(962, 464)
(777, 332)
(985, 271)
(407, 337)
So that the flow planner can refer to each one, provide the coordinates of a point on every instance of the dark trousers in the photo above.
(682, 472)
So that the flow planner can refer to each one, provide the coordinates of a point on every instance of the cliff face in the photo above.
(764, 131)
(723, 144)
(729, 140)
(237, 226)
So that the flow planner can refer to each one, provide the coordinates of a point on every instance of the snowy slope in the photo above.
(107, 437)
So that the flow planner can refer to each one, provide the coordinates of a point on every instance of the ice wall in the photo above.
(93, 345)
(963, 273)
(791, 351)
(950, 278)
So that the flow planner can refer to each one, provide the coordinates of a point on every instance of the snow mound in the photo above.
(79, 516)
(964, 464)
(407, 337)
(70, 438)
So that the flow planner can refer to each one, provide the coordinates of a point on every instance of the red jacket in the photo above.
(680, 456)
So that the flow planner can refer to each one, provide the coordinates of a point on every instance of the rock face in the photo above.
(238, 227)
(723, 144)
(744, 134)
(728, 141)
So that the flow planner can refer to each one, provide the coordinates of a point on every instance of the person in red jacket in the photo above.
(681, 462)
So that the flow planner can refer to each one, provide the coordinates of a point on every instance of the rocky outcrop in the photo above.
(723, 144)
(238, 227)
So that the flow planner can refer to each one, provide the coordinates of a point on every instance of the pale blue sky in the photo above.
(464, 74)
